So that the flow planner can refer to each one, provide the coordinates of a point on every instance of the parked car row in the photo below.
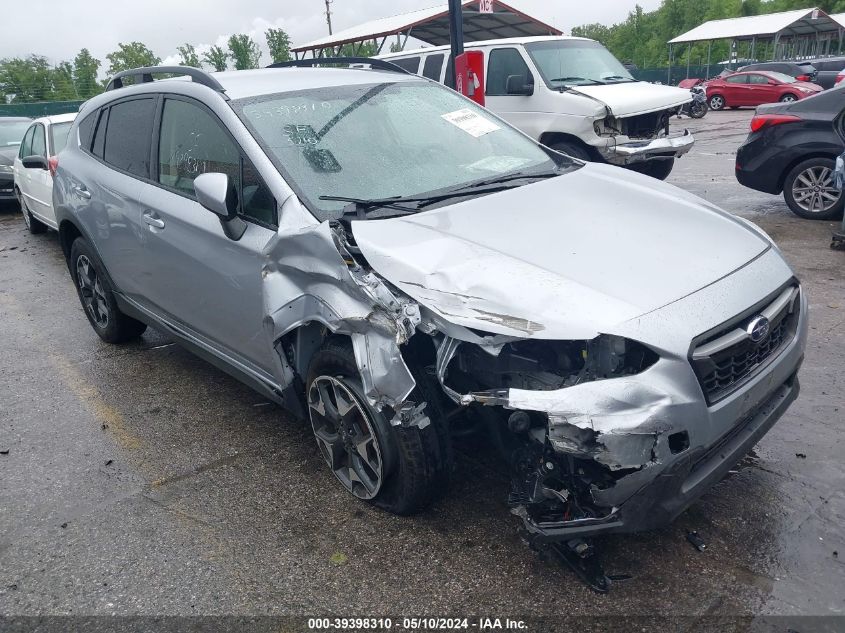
(12, 130)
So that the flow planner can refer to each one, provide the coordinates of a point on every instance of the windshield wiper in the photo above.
(565, 79)
(619, 79)
(517, 176)
(362, 207)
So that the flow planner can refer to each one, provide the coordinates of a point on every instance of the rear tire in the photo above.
(97, 299)
(809, 192)
(34, 226)
(716, 102)
(573, 149)
(406, 468)
(659, 169)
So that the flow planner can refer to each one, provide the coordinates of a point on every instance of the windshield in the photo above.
(577, 63)
(383, 140)
(11, 132)
(781, 77)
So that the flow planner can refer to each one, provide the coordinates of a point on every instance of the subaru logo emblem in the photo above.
(758, 329)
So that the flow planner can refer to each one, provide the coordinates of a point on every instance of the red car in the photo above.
(756, 88)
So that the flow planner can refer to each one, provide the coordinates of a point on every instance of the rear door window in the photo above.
(58, 136)
(39, 142)
(432, 67)
(411, 64)
(503, 63)
(127, 142)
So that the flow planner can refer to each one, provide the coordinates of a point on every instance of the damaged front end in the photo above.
(577, 428)
(642, 137)
(572, 420)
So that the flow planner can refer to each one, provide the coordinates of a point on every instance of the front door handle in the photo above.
(151, 218)
(82, 192)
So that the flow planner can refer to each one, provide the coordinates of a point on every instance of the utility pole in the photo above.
(456, 32)
(329, 14)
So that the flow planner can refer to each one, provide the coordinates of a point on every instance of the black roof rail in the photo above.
(145, 75)
(320, 61)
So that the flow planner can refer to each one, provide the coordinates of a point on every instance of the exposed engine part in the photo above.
(644, 126)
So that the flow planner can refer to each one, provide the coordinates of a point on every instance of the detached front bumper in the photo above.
(658, 502)
(632, 152)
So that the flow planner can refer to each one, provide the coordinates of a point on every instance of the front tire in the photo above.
(788, 98)
(402, 470)
(97, 299)
(809, 190)
(572, 149)
(698, 110)
(659, 169)
(716, 102)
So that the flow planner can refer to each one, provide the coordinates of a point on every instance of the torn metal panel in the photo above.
(307, 279)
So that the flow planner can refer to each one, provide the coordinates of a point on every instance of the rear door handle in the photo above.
(151, 218)
(82, 192)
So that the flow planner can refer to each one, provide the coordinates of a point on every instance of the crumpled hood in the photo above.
(565, 258)
(632, 98)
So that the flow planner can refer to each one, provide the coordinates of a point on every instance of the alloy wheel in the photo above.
(787, 99)
(346, 436)
(91, 291)
(717, 102)
(814, 191)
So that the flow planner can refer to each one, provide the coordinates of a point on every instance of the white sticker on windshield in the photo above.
(471, 122)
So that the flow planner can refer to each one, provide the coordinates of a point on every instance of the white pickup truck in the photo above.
(573, 95)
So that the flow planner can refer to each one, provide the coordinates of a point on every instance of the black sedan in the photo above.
(12, 130)
(792, 149)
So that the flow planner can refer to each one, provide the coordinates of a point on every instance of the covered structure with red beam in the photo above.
(482, 20)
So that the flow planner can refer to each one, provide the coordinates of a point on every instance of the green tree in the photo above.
(279, 44)
(188, 56)
(217, 58)
(132, 55)
(85, 68)
(244, 51)
(63, 86)
(26, 80)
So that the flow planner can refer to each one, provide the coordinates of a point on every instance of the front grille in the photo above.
(727, 359)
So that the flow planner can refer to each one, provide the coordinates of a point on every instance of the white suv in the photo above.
(35, 166)
(573, 95)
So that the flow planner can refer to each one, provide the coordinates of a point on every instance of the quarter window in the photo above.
(411, 64)
(432, 67)
(100, 134)
(192, 142)
(503, 63)
(128, 136)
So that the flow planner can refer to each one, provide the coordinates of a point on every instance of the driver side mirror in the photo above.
(215, 193)
(772, 82)
(35, 162)
(516, 85)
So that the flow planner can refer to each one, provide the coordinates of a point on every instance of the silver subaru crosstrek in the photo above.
(382, 257)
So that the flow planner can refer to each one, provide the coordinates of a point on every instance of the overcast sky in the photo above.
(59, 28)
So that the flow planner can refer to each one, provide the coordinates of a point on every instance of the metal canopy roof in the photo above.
(432, 26)
(798, 23)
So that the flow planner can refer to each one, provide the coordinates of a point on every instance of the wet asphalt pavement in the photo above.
(141, 480)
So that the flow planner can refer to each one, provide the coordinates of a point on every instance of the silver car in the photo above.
(380, 256)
